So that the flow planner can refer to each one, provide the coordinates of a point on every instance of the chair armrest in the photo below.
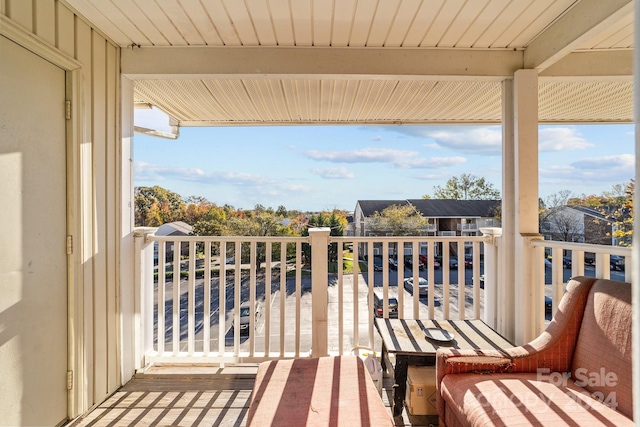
(471, 361)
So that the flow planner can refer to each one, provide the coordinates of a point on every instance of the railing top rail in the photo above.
(406, 239)
(585, 247)
(287, 239)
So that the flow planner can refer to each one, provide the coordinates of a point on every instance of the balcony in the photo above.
(204, 370)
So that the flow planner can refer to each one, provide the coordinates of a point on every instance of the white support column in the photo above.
(525, 113)
(143, 297)
(126, 225)
(491, 253)
(319, 291)
(505, 274)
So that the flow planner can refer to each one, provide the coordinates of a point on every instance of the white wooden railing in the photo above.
(300, 308)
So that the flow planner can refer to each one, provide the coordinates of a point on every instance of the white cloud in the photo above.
(561, 139)
(334, 173)
(591, 171)
(622, 161)
(399, 158)
(466, 139)
(150, 172)
(471, 140)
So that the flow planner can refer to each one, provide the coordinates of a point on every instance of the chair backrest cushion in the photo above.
(602, 359)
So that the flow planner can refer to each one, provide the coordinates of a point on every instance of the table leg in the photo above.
(400, 384)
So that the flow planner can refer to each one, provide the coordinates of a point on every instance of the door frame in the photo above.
(76, 404)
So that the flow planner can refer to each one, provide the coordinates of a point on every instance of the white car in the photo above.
(423, 286)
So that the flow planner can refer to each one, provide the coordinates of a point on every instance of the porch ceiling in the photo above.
(225, 62)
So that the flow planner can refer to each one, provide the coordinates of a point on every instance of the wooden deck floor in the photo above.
(195, 396)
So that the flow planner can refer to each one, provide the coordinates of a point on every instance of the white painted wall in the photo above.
(94, 186)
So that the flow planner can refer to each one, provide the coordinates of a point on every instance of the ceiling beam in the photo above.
(594, 65)
(318, 62)
(570, 32)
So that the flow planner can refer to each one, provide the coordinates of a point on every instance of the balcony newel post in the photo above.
(319, 240)
(493, 311)
(143, 304)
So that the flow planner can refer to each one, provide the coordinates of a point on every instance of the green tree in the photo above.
(336, 221)
(622, 214)
(397, 220)
(467, 187)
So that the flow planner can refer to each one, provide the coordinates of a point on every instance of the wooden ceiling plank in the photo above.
(404, 19)
(106, 17)
(175, 12)
(153, 22)
(365, 11)
(262, 22)
(198, 15)
(342, 22)
(242, 21)
(217, 14)
(282, 18)
(583, 22)
(442, 23)
(481, 24)
(461, 23)
(323, 13)
(383, 21)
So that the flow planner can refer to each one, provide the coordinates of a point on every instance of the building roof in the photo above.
(177, 228)
(437, 208)
(369, 207)
(442, 208)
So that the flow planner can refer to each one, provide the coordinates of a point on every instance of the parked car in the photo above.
(408, 262)
(393, 263)
(378, 305)
(616, 262)
(377, 263)
(468, 261)
(566, 262)
(423, 285)
(547, 263)
(245, 316)
(453, 263)
(424, 258)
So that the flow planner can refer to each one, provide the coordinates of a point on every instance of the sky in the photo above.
(321, 168)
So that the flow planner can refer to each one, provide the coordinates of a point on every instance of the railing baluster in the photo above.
(237, 296)
(475, 279)
(339, 267)
(222, 296)
(283, 295)
(162, 278)
(191, 291)
(176, 297)
(446, 281)
(416, 280)
(267, 297)
(252, 297)
(206, 315)
(356, 280)
(298, 294)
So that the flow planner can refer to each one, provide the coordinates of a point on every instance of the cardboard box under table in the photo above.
(421, 390)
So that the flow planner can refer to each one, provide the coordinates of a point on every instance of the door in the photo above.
(33, 261)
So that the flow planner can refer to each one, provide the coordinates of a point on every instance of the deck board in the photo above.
(195, 396)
